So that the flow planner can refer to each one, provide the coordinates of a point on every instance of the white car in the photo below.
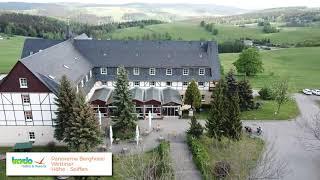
(307, 92)
(316, 92)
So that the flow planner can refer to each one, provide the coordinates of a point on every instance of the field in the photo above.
(10, 51)
(192, 31)
(301, 66)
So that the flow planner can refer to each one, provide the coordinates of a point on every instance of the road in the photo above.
(289, 140)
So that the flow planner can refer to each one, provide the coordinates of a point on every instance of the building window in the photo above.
(185, 72)
(203, 98)
(136, 71)
(152, 83)
(32, 136)
(200, 83)
(185, 83)
(202, 71)
(169, 72)
(169, 83)
(23, 82)
(28, 116)
(136, 83)
(152, 71)
(25, 98)
(87, 78)
(103, 70)
(82, 83)
(90, 73)
(104, 83)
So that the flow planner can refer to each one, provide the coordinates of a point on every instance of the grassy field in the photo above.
(10, 51)
(192, 31)
(289, 110)
(248, 151)
(301, 66)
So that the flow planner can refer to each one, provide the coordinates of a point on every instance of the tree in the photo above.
(280, 93)
(196, 129)
(217, 115)
(64, 101)
(124, 122)
(249, 62)
(202, 23)
(246, 101)
(82, 133)
(232, 125)
(193, 95)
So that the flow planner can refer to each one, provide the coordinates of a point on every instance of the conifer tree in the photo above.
(196, 129)
(232, 125)
(215, 123)
(193, 95)
(124, 121)
(64, 102)
(246, 101)
(82, 133)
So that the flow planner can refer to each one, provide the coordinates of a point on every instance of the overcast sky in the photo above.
(245, 4)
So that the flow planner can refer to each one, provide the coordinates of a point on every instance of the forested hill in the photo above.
(51, 28)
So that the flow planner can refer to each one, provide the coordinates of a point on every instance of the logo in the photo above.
(28, 162)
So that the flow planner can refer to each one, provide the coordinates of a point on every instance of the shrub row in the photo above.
(200, 155)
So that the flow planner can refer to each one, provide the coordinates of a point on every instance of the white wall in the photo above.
(12, 109)
(14, 134)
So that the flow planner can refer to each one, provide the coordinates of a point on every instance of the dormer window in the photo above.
(152, 71)
(103, 70)
(23, 82)
(200, 83)
(136, 71)
(202, 71)
(168, 72)
(185, 71)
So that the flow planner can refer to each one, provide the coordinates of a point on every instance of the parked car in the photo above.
(316, 92)
(307, 92)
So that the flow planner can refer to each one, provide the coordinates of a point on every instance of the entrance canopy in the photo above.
(171, 97)
(101, 96)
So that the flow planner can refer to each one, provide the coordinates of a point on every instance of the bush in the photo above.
(51, 146)
(196, 129)
(199, 154)
(221, 169)
(266, 93)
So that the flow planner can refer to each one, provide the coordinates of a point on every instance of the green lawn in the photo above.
(288, 110)
(242, 156)
(10, 51)
(192, 31)
(300, 65)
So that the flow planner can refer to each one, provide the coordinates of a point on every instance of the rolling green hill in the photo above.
(10, 51)
(192, 31)
(300, 65)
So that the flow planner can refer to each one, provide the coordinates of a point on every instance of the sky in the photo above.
(244, 4)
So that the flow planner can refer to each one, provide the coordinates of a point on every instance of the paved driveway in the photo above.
(288, 138)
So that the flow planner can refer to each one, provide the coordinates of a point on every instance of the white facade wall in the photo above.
(12, 109)
(15, 134)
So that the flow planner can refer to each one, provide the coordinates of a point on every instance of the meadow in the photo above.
(301, 66)
(10, 51)
(192, 31)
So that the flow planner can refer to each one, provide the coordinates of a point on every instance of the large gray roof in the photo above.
(33, 45)
(114, 53)
(102, 94)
